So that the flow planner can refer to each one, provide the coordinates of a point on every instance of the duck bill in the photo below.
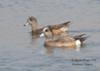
(42, 35)
(26, 24)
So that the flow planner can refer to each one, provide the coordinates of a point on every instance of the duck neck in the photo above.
(34, 26)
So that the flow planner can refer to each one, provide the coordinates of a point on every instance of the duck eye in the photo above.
(46, 30)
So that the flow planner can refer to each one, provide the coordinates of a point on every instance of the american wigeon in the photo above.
(66, 41)
(56, 30)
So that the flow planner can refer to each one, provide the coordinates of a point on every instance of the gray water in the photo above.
(19, 52)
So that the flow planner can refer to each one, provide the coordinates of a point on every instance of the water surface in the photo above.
(19, 52)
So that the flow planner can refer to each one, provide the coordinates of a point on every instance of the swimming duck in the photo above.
(66, 41)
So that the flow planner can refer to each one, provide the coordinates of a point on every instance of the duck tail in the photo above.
(66, 23)
(81, 37)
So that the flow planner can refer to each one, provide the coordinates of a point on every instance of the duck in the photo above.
(35, 27)
(57, 30)
(67, 41)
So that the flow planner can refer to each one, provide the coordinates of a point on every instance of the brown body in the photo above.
(62, 42)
